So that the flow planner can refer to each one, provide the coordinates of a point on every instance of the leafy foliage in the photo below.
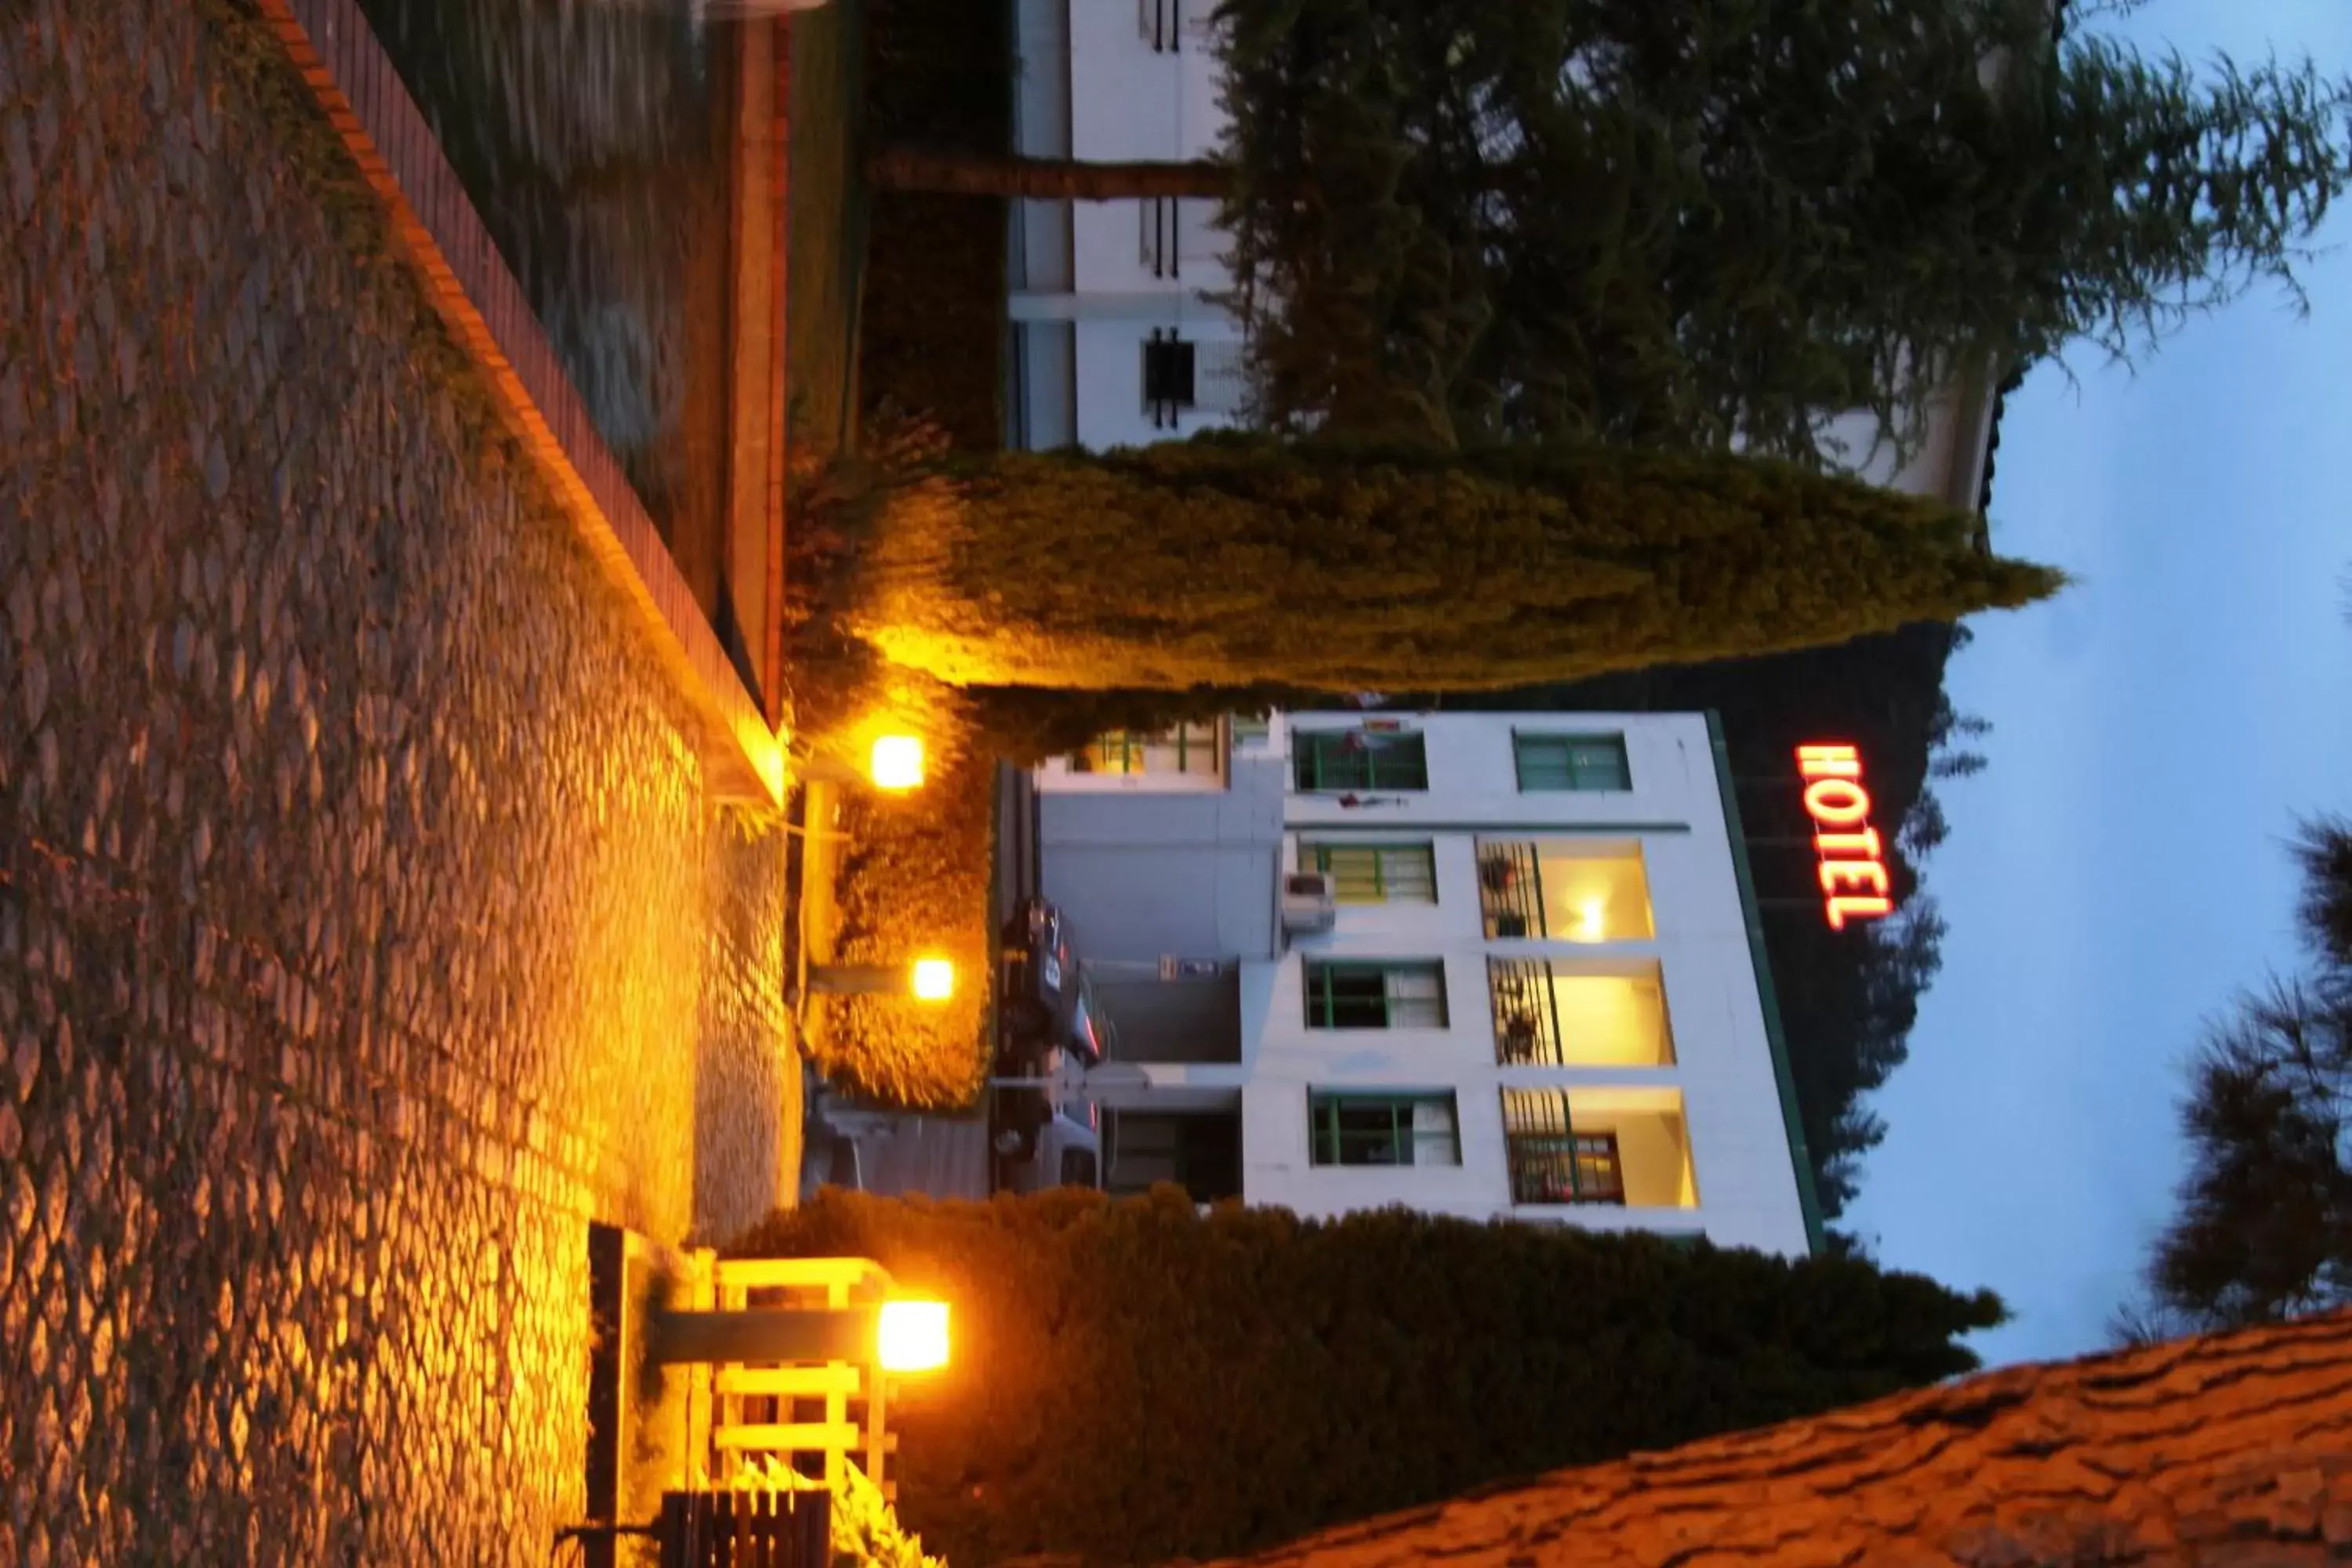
(2263, 1229)
(863, 1528)
(912, 877)
(1239, 562)
(1136, 1382)
(1689, 225)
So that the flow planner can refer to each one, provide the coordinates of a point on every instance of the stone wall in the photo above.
(364, 927)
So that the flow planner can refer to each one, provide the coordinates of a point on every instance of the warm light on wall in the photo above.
(912, 1336)
(1594, 919)
(1854, 884)
(896, 762)
(934, 980)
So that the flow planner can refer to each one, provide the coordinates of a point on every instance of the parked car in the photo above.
(1033, 1146)
(1044, 1006)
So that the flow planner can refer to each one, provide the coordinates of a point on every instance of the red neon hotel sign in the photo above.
(1855, 885)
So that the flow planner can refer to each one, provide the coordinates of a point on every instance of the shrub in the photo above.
(1238, 561)
(912, 876)
(864, 1530)
(1135, 1381)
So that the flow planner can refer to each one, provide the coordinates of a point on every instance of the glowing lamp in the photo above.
(912, 1336)
(1594, 913)
(896, 762)
(934, 980)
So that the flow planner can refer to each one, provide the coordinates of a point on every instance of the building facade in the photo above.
(1479, 964)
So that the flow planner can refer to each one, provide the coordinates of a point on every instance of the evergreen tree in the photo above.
(2263, 1229)
(1235, 561)
(1460, 221)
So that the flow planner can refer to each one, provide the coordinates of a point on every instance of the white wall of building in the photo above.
(1722, 1079)
(1740, 1148)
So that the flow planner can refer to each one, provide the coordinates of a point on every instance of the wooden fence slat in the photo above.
(790, 1382)
(791, 1437)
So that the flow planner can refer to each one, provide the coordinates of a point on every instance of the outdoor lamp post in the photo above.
(894, 764)
(926, 980)
(900, 1336)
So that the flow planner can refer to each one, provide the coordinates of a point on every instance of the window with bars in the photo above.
(1170, 378)
(1545, 1016)
(1376, 995)
(1584, 763)
(1551, 1162)
(1378, 873)
(1383, 1129)
(1328, 760)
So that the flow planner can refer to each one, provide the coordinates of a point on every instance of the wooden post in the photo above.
(759, 1334)
(857, 979)
(836, 1402)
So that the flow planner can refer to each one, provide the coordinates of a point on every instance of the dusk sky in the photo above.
(2120, 869)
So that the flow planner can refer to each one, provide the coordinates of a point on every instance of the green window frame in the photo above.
(1198, 748)
(1404, 995)
(1585, 763)
(1327, 760)
(1552, 1163)
(1378, 873)
(1383, 1127)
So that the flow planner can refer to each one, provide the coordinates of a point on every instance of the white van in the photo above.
(1037, 1147)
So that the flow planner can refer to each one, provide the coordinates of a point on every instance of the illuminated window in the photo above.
(1618, 1146)
(1358, 759)
(1573, 889)
(1376, 995)
(1554, 1015)
(1378, 873)
(1581, 762)
(1189, 748)
(1382, 1130)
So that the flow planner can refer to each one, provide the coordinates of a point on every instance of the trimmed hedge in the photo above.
(1236, 561)
(1134, 1382)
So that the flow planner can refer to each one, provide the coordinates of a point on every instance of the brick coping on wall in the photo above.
(469, 284)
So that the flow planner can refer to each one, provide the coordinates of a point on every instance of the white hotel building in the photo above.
(1523, 973)
(1479, 964)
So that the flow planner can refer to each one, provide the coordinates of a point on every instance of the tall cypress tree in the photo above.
(1239, 562)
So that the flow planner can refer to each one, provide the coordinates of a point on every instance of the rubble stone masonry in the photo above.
(365, 923)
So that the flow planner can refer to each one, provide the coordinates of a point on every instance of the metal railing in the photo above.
(1566, 1168)
(1551, 1162)
(1510, 890)
(1526, 1013)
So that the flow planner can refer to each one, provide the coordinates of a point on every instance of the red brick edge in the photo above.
(779, 448)
(434, 222)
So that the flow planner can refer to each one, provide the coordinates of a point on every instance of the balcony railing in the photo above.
(1510, 890)
(1551, 1162)
(1566, 1168)
(1526, 1014)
